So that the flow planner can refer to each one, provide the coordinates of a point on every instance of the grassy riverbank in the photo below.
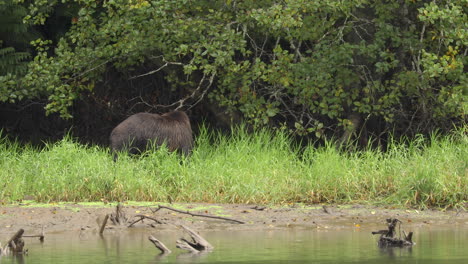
(259, 168)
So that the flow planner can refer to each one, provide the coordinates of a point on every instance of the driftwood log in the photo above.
(388, 237)
(159, 245)
(197, 245)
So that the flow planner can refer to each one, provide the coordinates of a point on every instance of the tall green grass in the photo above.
(258, 167)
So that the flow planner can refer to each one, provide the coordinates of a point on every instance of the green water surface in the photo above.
(434, 245)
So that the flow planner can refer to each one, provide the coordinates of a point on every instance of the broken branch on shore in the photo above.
(259, 208)
(197, 245)
(200, 215)
(388, 239)
(144, 217)
(159, 245)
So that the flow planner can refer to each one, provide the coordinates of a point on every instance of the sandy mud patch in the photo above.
(87, 217)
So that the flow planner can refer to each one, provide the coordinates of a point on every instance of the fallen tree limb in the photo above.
(41, 236)
(197, 245)
(136, 221)
(200, 215)
(159, 245)
(144, 217)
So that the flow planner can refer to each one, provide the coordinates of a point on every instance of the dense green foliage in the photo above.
(246, 168)
(13, 35)
(297, 64)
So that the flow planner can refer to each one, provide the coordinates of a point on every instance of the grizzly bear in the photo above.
(136, 133)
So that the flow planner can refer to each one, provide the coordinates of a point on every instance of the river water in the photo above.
(447, 244)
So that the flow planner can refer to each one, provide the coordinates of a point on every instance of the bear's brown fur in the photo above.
(136, 133)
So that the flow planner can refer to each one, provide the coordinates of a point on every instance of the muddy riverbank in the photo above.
(88, 217)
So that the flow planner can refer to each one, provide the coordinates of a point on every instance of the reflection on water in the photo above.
(434, 245)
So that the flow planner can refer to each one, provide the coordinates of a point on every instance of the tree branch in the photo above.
(157, 70)
(200, 215)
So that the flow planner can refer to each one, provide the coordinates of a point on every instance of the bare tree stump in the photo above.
(16, 243)
(119, 218)
(197, 245)
(159, 245)
(388, 239)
